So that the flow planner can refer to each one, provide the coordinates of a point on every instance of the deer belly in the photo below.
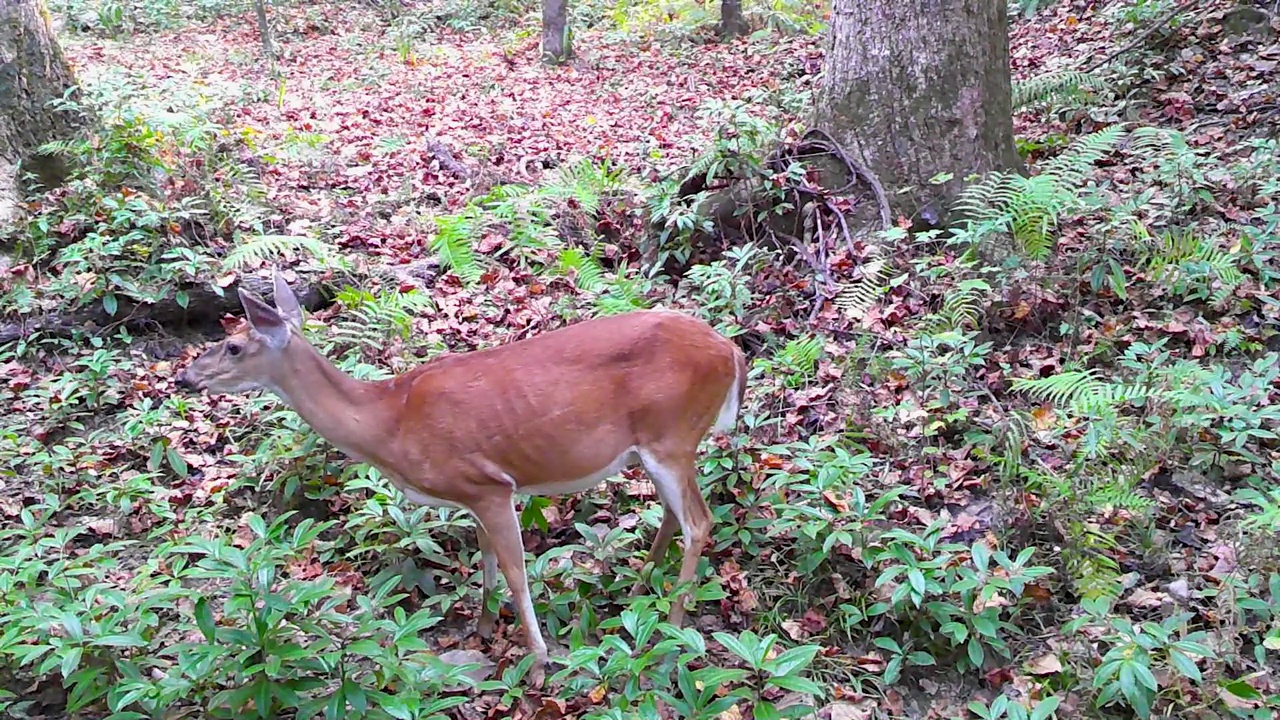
(565, 487)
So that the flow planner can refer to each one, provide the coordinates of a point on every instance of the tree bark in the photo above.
(32, 72)
(916, 90)
(557, 41)
(732, 22)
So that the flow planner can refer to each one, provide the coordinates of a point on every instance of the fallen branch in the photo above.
(441, 152)
(204, 308)
(1138, 40)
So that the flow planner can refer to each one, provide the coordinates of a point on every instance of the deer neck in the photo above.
(343, 410)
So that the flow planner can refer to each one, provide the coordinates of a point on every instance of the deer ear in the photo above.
(265, 319)
(287, 303)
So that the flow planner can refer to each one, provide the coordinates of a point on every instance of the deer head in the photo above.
(250, 358)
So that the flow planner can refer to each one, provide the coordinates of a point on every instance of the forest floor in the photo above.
(1045, 474)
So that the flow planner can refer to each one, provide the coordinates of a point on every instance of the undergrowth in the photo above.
(994, 456)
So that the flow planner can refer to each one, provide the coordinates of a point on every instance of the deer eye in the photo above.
(233, 349)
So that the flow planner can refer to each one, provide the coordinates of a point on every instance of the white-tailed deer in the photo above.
(553, 414)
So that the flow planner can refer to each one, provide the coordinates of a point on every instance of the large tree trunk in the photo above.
(32, 72)
(918, 89)
(732, 21)
(557, 43)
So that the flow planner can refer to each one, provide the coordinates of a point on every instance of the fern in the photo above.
(274, 247)
(621, 294)
(527, 214)
(1081, 392)
(1094, 574)
(798, 360)
(856, 298)
(1053, 85)
(961, 309)
(1073, 166)
(586, 272)
(1029, 208)
(452, 244)
(369, 321)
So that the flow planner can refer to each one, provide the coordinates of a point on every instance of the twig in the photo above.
(859, 171)
(844, 228)
(1135, 42)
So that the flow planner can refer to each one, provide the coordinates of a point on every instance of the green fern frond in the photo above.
(961, 309)
(369, 320)
(1053, 85)
(1081, 392)
(586, 272)
(453, 244)
(1071, 168)
(856, 298)
(274, 247)
(620, 294)
(1029, 208)
(1094, 574)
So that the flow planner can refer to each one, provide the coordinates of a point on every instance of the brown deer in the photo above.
(549, 415)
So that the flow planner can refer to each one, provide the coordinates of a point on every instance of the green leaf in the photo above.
(796, 683)
(1045, 708)
(887, 643)
(1242, 690)
(766, 711)
(71, 660)
(976, 653)
(792, 660)
(1143, 673)
(176, 462)
(532, 514)
(893, 670)
(1185, 665)
(367, 648)
(205, 619)
(921, 658)
(120, 640)
(981, 556)
(110, 304)
(916, 578)
(735, 646)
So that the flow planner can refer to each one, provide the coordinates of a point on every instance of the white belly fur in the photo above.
(628, 457)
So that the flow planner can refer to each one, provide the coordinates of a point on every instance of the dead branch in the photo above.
(204, 308)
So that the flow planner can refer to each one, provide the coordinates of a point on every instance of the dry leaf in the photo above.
(1047, 664)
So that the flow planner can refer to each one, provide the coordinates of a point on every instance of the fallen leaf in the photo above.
(1047, 664)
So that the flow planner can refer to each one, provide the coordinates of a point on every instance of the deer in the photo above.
(548, 415)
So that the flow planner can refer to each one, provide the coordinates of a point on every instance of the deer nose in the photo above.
(185, 382)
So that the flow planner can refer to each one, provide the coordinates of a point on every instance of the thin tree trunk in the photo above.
(264, 30)
(920, 90)
(557, 42)
(32, 72)
(732, 21)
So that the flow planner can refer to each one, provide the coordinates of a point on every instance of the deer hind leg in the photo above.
(661, 541)
(489, 582)
(502, 526)
(676, 477)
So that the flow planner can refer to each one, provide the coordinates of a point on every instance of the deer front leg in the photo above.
(489, 581)
(502, 526)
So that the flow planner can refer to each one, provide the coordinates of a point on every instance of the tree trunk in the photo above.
(917, 90)
(32, 72)
(557, 43)
(732, 22)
